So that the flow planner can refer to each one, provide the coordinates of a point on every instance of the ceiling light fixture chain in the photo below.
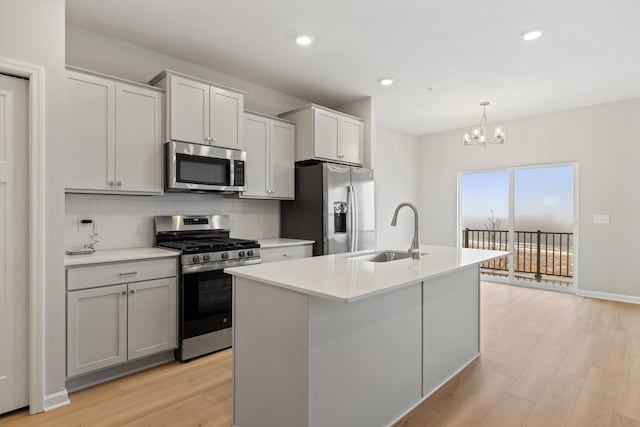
(478, 135)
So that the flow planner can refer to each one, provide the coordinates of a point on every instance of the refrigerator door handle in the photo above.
(350, 224)
(354, 219)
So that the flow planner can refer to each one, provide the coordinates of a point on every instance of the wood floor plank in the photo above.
(556, 402)
(533, 381)
(510, 411)
(597, 400)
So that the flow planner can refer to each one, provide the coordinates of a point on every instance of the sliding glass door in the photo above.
(529, 211)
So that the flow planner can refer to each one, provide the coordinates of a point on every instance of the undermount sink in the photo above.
(385, 256)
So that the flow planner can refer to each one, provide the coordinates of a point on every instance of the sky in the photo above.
(543, 198)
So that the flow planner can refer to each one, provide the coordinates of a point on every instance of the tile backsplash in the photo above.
(127, 221)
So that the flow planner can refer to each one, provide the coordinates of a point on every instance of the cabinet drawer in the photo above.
(122, 272)
(285, 253)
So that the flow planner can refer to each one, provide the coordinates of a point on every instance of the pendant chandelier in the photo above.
(478, 135)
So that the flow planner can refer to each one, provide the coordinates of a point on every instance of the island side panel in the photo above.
(365, 358)
(451, 321)
(270, 349)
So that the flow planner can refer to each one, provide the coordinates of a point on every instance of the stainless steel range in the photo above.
(205, 290)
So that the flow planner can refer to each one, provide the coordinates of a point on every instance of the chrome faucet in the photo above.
(415, 245)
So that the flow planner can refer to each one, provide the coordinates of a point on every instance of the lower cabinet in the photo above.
(96, 329)
(110, 325)
(283, 253)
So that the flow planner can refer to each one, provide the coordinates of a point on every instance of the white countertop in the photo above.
(279, 242)
(344, 279)
(115, 255)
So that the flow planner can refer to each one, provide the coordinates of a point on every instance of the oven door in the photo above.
(206, 302)
(204, 168)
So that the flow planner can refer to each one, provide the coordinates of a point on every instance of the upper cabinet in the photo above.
(270, 147)
(114, 135)
(202, 112)
(324, 134)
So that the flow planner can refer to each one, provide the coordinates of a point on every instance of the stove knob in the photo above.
(206, 258)
(250, 252)
(196, 258)
(241, 254)
(225, 255)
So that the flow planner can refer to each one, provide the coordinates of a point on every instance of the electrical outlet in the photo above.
(601, 219)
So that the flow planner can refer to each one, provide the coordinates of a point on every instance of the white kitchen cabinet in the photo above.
(96, 329)
(188, 106)
(284, 253)
(270, 147)
(110, 322)
(351, 139)
(90, 141)
(138, 165)
(325, 134)
(152, 317)
(114, 135)
(202, 112)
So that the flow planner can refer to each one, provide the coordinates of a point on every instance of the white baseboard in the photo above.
(56, 400)
(605, 295)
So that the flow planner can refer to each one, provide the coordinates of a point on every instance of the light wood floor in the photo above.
(548, 359)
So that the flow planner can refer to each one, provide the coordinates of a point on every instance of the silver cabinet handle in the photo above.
(206, 138)
(130, 273)
(119, 184)
(133, 291)
(123, 292)
(112, 183)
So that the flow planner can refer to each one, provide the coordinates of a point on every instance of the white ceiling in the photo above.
(466, 50)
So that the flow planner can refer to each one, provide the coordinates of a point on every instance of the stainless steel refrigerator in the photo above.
(334, 206)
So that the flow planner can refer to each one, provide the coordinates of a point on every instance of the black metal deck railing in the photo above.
(540, 253)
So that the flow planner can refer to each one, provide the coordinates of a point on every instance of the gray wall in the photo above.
(603, 139)
(119, 58)
(33, 31)
(396, 169)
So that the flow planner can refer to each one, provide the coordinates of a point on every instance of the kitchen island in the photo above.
(340, 340)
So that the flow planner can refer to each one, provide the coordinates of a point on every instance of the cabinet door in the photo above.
(152, 317)
(96, 328)
(188, 110)
(326, 134)
(138, 139)
(90, 142)
(256, 145)
(226, 118)
(351, 139)
(281, 159)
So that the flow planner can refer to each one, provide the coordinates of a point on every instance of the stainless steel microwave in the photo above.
(197, 167)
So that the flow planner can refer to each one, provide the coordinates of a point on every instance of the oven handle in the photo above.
(218, 265)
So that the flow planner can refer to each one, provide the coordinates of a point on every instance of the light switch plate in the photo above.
(601, 219)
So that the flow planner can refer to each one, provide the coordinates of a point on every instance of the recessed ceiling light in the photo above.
(531, 35)
(304, 40)
(386, 81)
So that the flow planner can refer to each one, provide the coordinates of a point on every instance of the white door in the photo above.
(281, 159)
(351, 138)
(226, 111)
(138, 139)
(13, 244)
(255, 142)
(189, 110)
(90, 142)
(326, 134)
(152, 317)
(96, 328)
